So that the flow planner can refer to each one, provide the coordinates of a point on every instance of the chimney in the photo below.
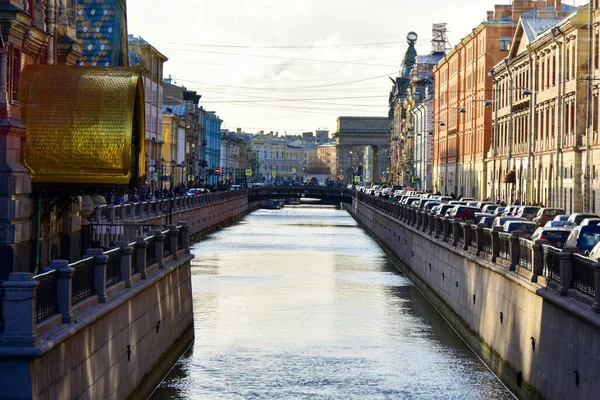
(490, 15)
(557, 4)
(238, 130)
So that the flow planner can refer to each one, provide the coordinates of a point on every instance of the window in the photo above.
(504, 43)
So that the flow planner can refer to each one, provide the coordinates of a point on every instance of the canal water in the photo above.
(301, 303)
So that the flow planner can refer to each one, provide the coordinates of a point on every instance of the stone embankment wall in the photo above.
(541, 344)
(116, 350)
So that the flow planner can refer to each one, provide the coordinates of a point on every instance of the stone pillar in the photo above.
(515, 249)
(566, 269)
(438, 226)
(173, 238)
(467, 234)
(64, 288)
(455, 226)
(186, 235)
(19, 310)
(140, 247)
(126, 251)
(596, 303)
(159, 239)
(496, 243)
(446, 225)
(479, 239)
(99, 273)
(537, 259)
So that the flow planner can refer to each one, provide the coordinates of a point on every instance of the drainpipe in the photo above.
(510, 128)
(532, 103)
(558, 133)
(587, 195)
(51, 26)
(37, 230)
(495, 102)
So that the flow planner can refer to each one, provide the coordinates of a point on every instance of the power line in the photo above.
(283, 58)
(234, 46)
(290, 88)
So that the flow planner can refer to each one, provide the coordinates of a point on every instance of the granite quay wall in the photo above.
(203, 213)
(529, 310)
(108, 326)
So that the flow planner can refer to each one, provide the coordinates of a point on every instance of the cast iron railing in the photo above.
(83, 280)
(167, 243)
(150, 251)
(551, 267)
(46, 299)
(113, 266)
(526, 254)
(583, 274)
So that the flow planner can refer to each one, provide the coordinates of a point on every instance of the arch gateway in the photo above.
(363, 148)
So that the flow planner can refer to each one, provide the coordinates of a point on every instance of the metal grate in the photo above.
(83, 280)
(113, 266)
(551, 268)
(526, 257)
(46, 300)
(583, 274)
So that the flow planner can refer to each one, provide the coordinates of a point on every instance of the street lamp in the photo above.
(173, 163)
(162, 172)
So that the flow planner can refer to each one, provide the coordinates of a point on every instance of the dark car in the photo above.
(555, 236)
(584, 237)
(578, 217)
(527, 227)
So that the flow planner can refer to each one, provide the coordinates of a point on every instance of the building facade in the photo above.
(463, 94)
(142, 53)
(212, 147)
(540, 105)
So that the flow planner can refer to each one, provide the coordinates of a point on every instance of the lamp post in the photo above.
(162, 173)
(182, 167)
(171, 181)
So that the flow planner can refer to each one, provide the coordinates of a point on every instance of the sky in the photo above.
(295, 66)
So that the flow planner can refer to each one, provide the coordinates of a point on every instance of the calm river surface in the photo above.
(301, 303)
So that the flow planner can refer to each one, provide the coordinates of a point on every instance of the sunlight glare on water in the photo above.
(301, 303)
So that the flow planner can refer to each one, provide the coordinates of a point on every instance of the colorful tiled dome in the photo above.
(102, 28)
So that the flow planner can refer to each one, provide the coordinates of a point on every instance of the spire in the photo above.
(410, 57)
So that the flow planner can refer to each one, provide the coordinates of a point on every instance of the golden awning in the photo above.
(84, 125)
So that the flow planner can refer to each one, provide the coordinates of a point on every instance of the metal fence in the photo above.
(113, 267)
(83, 280)
(526, 255)
(551, 267)
(167, 243)
(134, 258)
(504, 246)
(583, 274)
(46, 300)
(150, 251)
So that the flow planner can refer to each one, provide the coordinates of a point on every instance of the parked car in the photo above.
(498, 211)
(489, 208)
(430, 204)
(555, 236)
(467, 199)
(561, 218)
(527, 227)
(590, 221)
(584, 238)
(443, 208)
(578, 217)
(463, 212)
(510, 211)
(560, 224)
(527, 212)
(483, 218)
(595, 252)
(500, 221)
(547, 214)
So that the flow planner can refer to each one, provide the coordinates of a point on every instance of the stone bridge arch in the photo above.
(368, 138)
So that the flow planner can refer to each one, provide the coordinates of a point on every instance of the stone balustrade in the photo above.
(35, 304)
(564, 270)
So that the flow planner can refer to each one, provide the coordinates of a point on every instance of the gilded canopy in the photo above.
(85, 125)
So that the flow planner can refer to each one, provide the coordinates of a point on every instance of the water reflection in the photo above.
(301, 304)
